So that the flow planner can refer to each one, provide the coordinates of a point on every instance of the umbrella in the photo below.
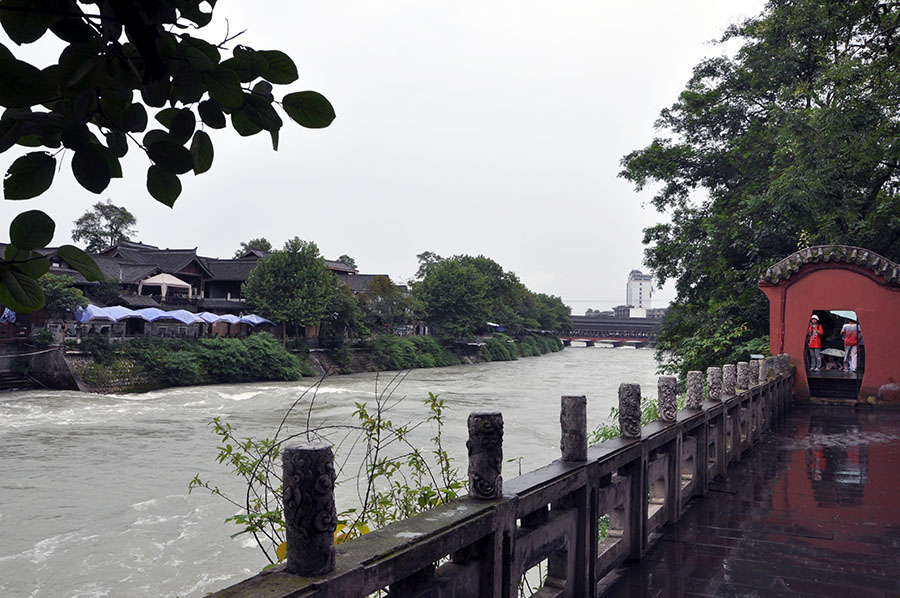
(92, 313)
(833, 352)
(119, 312)
(849, 315)
(255, 320)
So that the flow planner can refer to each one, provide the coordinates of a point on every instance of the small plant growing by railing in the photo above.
(396, 479)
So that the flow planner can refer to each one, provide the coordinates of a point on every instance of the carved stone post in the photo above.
(785, 360)
(743, 375)
(779, 365)
(763, 371)
(694, 389)
(309, 513)
(485, 447)
(754, 373)
(630, 410)
(729, 379)
(573, 422)
(714, 383)
(666, 403)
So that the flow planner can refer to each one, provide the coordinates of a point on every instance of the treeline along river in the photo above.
(94, 489)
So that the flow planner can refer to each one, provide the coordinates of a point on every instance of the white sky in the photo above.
(480, 127)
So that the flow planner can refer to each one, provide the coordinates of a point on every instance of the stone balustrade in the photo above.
(484, 544)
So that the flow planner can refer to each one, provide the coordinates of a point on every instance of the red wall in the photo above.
(831, 286)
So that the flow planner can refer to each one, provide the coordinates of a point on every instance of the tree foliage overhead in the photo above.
(103, 226)
(261, 244)
(792, 142)
(291, 285)
(117, 60)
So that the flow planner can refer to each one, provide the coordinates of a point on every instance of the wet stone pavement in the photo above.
(812, 510)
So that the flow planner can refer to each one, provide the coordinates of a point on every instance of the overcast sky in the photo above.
(479, 127)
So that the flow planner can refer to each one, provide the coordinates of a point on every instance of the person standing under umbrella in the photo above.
(815, 344)
(851, 334)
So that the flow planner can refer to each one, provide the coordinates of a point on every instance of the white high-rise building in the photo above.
(639, 290)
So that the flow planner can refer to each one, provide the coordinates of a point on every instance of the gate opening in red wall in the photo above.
(840, 375)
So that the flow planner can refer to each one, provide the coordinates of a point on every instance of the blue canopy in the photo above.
(255, 320)
(119, 312)
(92, 313)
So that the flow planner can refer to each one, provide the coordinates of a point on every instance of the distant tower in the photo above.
(639, 290)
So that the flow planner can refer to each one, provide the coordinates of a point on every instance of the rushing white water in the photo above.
(93, 489)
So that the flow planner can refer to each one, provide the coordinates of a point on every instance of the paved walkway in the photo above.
(814, 510)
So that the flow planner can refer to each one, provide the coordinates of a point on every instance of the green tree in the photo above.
(60, 295)
(103, 226)
(452, 298)
(292, 286)
(792, 141)
(383, 303)
(343, 319)
(118, 60)
(426, 260)
(346, 259)
(260, 244)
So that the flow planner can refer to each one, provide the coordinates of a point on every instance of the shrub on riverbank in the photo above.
(501, 347)
(185, 362)
(396, 353)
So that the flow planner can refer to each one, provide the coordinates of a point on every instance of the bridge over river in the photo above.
(635, 332)
(738, 494)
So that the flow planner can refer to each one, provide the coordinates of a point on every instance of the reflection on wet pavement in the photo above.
(814, 510)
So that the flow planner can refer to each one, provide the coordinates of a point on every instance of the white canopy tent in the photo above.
(164, 281)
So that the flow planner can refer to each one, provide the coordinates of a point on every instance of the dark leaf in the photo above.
(309, 109)
(264, 89)
(171, 156)
(134, 118)
(23, 85)
(241, 123)
(29, 176)
(165, 117)
(26, 21)
(188, 85)
(202, 152)
(163, 185)
(281, 69)
(211, 114)
(10, 132)
(20, 292)
(247, 64)
(85, 104)
(154, 136)
(274, 135)
(72, 30)
(182, 126)
(91, 169)
(198, 60)
(224, 87)
(210, 51)
(81, 261)
(31, 230)
(115, 168)
(156, 93)
(75, 135)
(35, 266)
(261, 112)
(117, 143)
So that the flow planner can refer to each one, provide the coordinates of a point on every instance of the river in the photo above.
(93, 491)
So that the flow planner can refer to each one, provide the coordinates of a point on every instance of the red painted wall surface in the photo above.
(832, 286)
